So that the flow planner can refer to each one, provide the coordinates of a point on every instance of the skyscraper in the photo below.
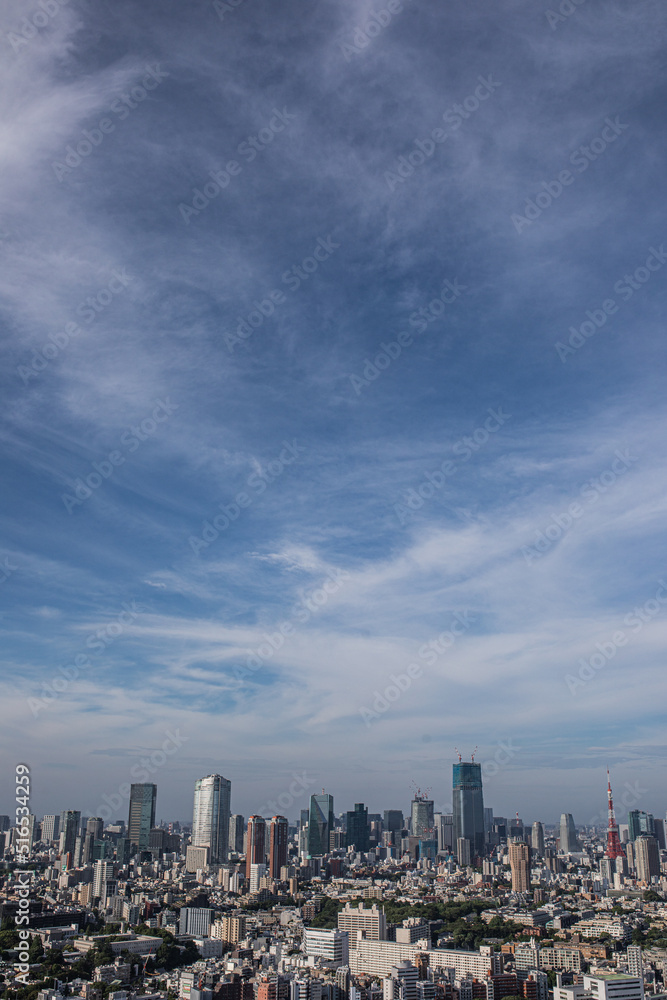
(277, 845)
(488, 822)
(102, 873)
(393, 823)
(444, 828)
(358, 832)
(256, 843)
(236, 831)
(537, 839)
(568, 834)
(519, 853)
(422, 820)
(640, 822)
(463, 852)
(647, 857)
(304, 823)
(69, 831)
(320, 824)
(95, 826)
(468, 802)
(210, 817)
(141, 817)
(50, 828)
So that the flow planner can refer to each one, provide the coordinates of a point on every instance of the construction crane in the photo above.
(418, 792)
(472, 755)
(456, 751)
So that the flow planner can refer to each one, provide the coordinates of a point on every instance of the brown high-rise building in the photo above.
(520, 864)
(277, 845)
(256, 843)
(647, 857)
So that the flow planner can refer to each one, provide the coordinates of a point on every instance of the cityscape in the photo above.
(423, 905)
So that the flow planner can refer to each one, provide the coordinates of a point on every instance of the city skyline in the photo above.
(419, 808)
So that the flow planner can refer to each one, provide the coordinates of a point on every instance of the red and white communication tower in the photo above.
(614, 849)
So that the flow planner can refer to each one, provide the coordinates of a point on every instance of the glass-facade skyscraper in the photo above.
(141, 818)
(568, 834)
(358, 830)
(468, 803)
(422, 821)
(210, 816)
(320, 824)
(640, 822)
(70, 821)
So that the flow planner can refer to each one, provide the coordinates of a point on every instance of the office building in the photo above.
(95, 827)
(278, 836)
(422, 821)
(537, 839)
(50, 828)
(640, 822)
(236, 832)
(305, 989)
(568, 834)
(468, 802)
(401, 983)
(320, 824)
(257, 873)
(500, 827)
(358, 832)
(444, 831)
(273, 987)
(337, 839)
(141, 817)
(372, 922)
(196, 858)
(102, 875)
(463, 855)
(647, 858)
(69, 831)
(614, 986)
(519, 853)
(658, 833)
(393, 823)
(210, 817)
(332, 947)
(255, 843)
(94, 831)
(195, 921)
(428, 849)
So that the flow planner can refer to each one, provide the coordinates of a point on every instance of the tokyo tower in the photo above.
(614, 849)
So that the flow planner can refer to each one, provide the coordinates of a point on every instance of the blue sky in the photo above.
(185, 348)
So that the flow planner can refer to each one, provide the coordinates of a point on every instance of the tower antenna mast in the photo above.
(614, 849)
